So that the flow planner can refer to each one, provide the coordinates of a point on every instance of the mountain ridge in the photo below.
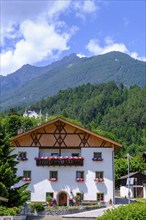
(69, 72)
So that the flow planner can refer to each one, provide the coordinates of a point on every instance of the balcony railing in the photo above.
(59, 161)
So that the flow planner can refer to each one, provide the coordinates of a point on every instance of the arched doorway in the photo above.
(62, 199)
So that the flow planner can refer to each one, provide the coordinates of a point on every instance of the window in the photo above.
(26, 175)
(75, 154)
(49, 194)
(100, 196)
(97, 155)
(53, 176)
(54, 154)
(79, 174)
(99, 174)
(22, 156)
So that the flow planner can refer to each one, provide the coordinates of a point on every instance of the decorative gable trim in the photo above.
(60, 135)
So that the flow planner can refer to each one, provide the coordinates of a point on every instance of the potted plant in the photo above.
(77, 200)
(49, 200)
(110, 202)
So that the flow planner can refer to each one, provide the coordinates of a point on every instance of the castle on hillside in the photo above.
(32, 114)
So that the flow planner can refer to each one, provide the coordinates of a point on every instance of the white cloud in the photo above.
(83, 8)
(42, 36)
(95, 49)
(109, 40)
(58, 7)
(137, 57)
(80, 55)
(40, 41)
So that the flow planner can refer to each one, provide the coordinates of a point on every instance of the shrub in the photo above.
(37, 206)
(8, 211)
(126, 212)
(49, 199)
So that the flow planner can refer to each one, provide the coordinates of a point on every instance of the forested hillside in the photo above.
(119, 111)
(116, 112)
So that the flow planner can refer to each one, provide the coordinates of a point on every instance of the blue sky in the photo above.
(40, 32)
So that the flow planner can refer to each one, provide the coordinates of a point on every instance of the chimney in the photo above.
(19, 131)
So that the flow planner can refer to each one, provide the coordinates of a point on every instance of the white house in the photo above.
(32, 114)
(62, 159)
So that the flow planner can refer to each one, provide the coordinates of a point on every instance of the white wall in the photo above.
(124, 191)
(67, 175)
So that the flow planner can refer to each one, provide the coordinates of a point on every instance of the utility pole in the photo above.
(128, 158)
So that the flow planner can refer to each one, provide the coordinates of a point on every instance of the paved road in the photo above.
(89, 214)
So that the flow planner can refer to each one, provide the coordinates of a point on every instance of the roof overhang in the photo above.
(114, 144)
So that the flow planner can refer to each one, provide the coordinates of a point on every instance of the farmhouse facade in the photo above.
(62, 160)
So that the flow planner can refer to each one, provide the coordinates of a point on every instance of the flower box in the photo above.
(97, 159)
(22, 158)
(80, 179)
(102, 202)
(26, 179)
(99, 180)
(59, 158)
(53, 179)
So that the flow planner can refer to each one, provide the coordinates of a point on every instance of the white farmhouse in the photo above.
(62, 159)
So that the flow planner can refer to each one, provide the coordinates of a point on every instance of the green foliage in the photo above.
(128, 212)
(4, 211)
(49, 199)
(16, 195)
(121, 167)
(112, 111)
(13, 123)
(38, 206)
(77, 198)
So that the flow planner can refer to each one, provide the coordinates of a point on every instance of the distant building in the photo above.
(32, 114)
(137, 185)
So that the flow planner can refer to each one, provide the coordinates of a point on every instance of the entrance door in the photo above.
(62, 199)
(138, 192)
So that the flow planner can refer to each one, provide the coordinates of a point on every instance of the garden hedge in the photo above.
(134, 211)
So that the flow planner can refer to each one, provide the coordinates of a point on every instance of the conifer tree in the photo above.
(8, 175)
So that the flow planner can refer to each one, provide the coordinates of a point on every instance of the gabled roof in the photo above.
(130, 175)
(113, 143)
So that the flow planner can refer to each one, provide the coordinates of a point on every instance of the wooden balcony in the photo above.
(59, 161)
